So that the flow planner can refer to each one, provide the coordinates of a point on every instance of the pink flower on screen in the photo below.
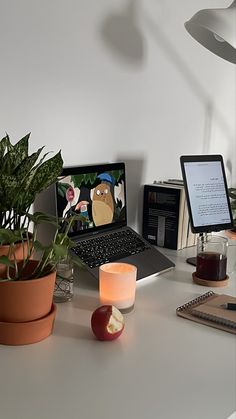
(70, 193)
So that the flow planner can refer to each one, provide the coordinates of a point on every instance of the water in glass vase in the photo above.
(63, 290)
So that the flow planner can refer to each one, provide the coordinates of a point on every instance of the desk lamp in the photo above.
(215, 29)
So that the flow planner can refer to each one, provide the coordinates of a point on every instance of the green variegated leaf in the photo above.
(22, 177)
(8, 190)
(47, 173)
(22, 146)
(22, 171)
(44, 176)
(15, 155)
(39, 179)
(4, 147)
(33, 172)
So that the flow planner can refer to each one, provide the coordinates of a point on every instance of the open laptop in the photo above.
(101, 235)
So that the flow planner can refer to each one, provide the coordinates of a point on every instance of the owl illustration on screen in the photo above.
(103, 201)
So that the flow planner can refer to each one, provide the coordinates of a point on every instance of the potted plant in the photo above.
(22, 177)
(26, 286)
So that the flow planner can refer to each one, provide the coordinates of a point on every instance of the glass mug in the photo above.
(212, 257)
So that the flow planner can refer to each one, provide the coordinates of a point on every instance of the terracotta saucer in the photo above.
(25, 333)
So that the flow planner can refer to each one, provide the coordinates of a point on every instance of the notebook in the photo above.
(98, 194)
(209, 309)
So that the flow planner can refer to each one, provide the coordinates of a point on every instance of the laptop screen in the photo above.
(96, 193)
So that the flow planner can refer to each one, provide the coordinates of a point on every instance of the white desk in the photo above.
(162, 366)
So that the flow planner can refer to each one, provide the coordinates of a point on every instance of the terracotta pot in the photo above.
(26, 300)
(19, 249)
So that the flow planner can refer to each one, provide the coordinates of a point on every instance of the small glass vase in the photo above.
(63, 290)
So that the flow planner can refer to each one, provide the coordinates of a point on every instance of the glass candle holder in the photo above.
(211, 257)
(117, 285)
(63, 290)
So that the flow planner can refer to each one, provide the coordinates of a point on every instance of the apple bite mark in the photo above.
(116, 321)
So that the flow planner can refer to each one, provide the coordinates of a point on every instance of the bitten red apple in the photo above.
(107, 322)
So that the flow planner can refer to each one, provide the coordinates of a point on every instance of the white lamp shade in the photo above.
(215, 29)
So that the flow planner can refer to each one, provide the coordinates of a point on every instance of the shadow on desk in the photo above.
(72, 330)
(84, 280)
(85, 302)
(179, 276)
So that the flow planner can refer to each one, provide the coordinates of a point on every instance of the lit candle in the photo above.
(117, 285)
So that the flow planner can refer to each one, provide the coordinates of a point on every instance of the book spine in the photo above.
(191, 237)
(185, 227)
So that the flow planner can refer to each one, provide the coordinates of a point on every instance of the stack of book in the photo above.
(165, 215)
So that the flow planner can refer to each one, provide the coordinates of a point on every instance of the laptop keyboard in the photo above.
(110, 247)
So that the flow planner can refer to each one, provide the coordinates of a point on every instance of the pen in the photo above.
(229, 306)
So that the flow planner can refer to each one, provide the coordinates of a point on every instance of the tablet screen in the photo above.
(207, 193)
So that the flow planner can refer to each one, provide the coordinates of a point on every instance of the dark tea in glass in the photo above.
(212, 258)
(211, 266)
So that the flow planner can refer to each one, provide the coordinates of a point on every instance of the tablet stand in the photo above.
(193, 260)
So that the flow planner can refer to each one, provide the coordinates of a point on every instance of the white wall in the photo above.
(115, 80)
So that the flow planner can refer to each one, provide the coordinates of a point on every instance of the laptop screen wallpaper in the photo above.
(98, 198)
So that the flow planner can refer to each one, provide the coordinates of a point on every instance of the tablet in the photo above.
(206, 193)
